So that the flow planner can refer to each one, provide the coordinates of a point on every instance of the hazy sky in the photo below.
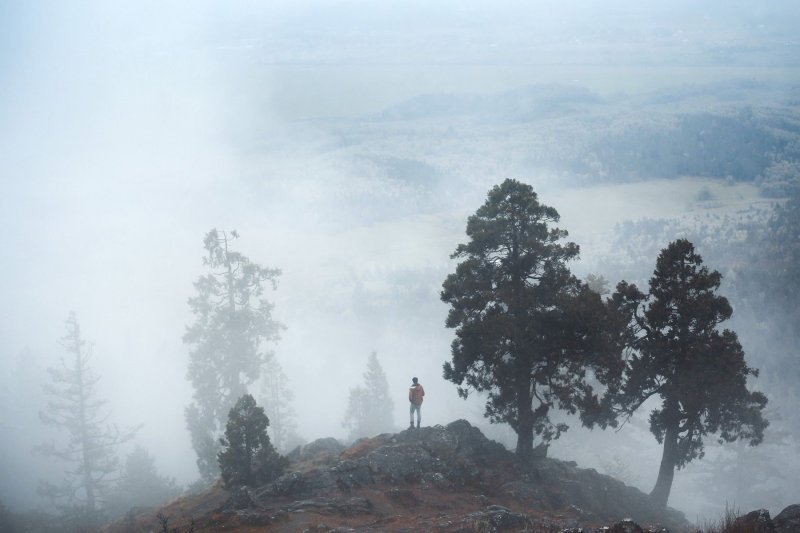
(128, 130)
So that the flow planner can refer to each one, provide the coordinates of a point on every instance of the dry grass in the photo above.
(730, 522)
(724, 524)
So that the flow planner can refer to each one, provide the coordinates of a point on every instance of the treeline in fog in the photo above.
(532, 340)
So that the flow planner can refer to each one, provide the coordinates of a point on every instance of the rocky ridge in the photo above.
(445, 479)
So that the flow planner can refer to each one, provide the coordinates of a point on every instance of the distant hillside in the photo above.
(739, 130)
(431, 479)
(526, 103)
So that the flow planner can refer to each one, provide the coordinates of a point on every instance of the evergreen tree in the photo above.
(370, 407)
(90, 450)
(528, 333)
(679, 355)
(140, 485)
(277, 399)
(228, 341)
(247, 456)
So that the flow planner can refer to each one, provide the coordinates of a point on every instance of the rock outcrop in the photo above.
(420, 468)
(755, 522)
(788, 520)
(442, 479)
(759, 521)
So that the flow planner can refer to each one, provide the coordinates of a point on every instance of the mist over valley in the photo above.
(347, 144)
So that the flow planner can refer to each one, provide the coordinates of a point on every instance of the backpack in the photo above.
(415, 394)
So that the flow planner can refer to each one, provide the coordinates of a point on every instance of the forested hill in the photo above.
(737, 130)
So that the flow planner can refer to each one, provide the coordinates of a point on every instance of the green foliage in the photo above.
(89, 453)
(679, 355)
(140, 485)
(528, 333)
(228, 341)
(742, 144)
(247, 456)
(370, 407)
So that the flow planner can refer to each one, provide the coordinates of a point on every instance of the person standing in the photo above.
(415, 395)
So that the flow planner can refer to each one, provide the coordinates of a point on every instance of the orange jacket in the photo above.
(415, 394)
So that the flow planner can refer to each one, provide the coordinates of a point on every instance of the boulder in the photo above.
(324, 451)
(755, 522)
(496, 518)
(626, 526)
(788, 520)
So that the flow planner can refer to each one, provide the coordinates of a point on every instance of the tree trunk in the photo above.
(660, 493)
(524, 421)
(524, 440)
(86, 459)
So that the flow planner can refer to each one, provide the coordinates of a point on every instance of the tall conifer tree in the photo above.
(528, 332)
(228, 341)
(370, 407)
(90, 451)
(679, 354)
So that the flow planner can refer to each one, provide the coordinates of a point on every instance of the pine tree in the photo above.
(369, 407)
(228, 341)
(528, 332)
(90, 450)
(247, 456)
(679, 355)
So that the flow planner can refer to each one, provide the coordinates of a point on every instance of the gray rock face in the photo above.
(554, 484)
(320, 450)
(437, 455)
(788, 520)
(454, 457)
(755, 522)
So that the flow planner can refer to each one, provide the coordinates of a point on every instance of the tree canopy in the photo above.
(529, 334)
(678, 354)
